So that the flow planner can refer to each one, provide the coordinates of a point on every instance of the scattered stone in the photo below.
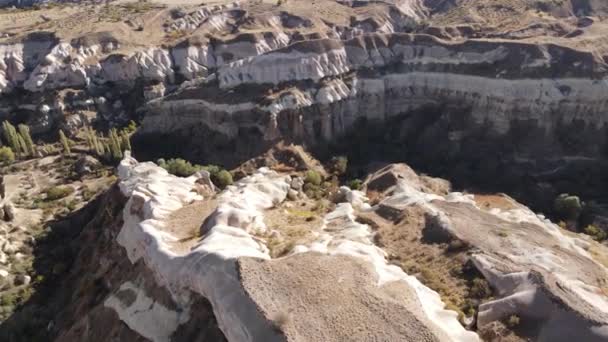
(9, 212)
(204, 184)
(9, 248)
(86, 165)
(297, 183)
(292, 195)
(3, 273)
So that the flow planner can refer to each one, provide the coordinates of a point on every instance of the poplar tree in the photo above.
(30, 147)
(65, 143)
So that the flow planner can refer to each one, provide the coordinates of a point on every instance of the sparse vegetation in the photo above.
(110, 148)
(6, 155)
(65, 143)
(222, 178)
(26, 139)
(313, 178)
(596, 233)
(480, 288)
(58, 192)
(355, 184)
(513, 321)
(19, 141)
(338, 165)
(179, 167)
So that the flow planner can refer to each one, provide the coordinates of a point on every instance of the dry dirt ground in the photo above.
(185, 224)
(356, 310)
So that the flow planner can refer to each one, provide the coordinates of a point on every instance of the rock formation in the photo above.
(538, 272)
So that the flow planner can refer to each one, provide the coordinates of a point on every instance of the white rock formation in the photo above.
(539, 273)
(209, 269)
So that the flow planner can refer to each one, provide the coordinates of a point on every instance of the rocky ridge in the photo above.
(558, 279)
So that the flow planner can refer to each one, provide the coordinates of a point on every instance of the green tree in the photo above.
(11, 137)
(568, 206)
(116, 145)
(30, 147)
(126, 140)
(65, 142)
(339, 165)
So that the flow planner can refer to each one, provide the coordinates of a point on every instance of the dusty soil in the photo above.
(440, 266)
(185, 224)
(500, 201)
(333, 298)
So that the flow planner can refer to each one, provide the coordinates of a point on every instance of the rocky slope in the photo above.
(533, 89)
(497, 95)
(161, 279)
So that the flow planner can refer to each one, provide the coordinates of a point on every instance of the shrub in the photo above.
(480, 289)
(131, 127)
(355, 184)
(313, 177)
(6, 155)
(596, 233)
(339, 165)
(513, 321)
(58, 192)
(179, 167)
(568, 207)
(222, 179)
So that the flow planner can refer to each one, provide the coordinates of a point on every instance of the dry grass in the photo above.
(294, 225)
(441, 267)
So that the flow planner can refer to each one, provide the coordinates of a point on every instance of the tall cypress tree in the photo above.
(30, 147)
(66, 144)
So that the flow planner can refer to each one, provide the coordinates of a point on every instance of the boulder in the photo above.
(9, 212)
(292, 195)
(22, 279)
(86, 165)
(297, 183)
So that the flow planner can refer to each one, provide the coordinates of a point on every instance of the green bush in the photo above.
(313, 177)
(568, 207)
(480, 289)
(58, 192)
(596, 233)
(221, 179)
(179, 167)
(355, 184)
(339, 165)
(6, 155)
(513, 321)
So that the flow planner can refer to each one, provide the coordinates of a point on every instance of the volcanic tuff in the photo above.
(335, 282)
(525, 79)
(506, 95)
